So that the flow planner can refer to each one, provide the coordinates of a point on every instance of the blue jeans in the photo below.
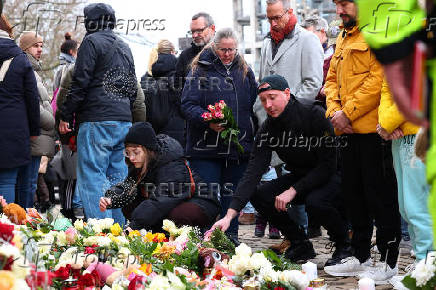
(221, 172)
(23, 177)
(100, 165)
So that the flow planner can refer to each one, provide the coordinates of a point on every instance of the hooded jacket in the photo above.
(209, 84)
(104, 84)
(44, 145)
(163, 100)
(168, 171)
(19, 106)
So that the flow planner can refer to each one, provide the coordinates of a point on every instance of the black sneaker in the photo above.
(341, 252)
(300, 251)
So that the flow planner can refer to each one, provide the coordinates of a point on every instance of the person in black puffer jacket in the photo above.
(160, 184)
(162, 99)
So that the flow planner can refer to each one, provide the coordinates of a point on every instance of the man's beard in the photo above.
(350, 23)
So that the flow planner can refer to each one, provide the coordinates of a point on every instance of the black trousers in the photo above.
(370, 193)
(319, 203)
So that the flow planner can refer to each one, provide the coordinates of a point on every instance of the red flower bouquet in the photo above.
(222, 114)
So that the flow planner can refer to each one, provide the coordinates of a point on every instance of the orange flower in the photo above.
(146, 268)
(15, 213)
(7, 280)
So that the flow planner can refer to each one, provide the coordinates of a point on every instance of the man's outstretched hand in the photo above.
(224, 223)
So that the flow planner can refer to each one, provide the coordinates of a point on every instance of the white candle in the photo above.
(366, 284)
(311, 270)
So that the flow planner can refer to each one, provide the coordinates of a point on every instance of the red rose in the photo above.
(6, 232)
(89, 250)
(63, 272)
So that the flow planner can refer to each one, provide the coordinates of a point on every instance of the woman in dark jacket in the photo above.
(219, 73)
(162, 99)
(160, 184)
(19, 118)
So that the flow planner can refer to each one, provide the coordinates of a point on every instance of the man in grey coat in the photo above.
(297, 55)
(291, 51)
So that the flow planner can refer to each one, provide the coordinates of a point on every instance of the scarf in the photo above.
(278, 36)
(36, 65)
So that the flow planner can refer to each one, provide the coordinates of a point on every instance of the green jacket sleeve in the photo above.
(391, 27)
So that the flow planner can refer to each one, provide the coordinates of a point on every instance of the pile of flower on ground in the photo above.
(52, 252)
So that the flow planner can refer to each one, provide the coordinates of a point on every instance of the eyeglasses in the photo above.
(198, 31)
(131, 154)
(225, 50)
(276, 18)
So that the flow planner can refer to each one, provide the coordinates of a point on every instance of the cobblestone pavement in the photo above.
(246, 235)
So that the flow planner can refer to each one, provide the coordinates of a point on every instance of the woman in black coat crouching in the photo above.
(160, 184)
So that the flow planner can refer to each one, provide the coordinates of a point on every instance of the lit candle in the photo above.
(366, 284)
(311, 270)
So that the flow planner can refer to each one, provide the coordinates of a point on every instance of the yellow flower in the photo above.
(17, 242)
(160, 237)
(156, 251)
(116, 229)
(7, 280)
(134, 233)
(146, 268)
(148, 237)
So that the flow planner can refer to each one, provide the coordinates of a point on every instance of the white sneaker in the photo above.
(348, 267)
(412, 254)
(380, 274)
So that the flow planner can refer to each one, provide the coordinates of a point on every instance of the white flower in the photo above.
(176, 283)
(21, 268)
(170, 227)
(20, 284)
(258, 260)
(294, 277)
(70, 256)
(124, 252)
(7, 250)
(424, 271)
(106, 223)
(78, 224)
(121, 241)
(62, 239)
(268, 274)
(243, 250)
(103, 241)
(89, 241)
(239, 264)
(159, 282)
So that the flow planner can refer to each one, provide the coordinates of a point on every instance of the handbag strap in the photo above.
(191, 178)
(4, 69)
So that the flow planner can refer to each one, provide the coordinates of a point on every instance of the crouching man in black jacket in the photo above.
(304, 139)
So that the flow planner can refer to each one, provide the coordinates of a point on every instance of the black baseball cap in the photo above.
(275, 82)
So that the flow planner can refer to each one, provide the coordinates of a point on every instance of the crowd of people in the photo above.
(322, 140)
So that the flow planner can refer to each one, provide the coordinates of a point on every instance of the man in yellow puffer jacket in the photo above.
(413, 190)
(353, 88)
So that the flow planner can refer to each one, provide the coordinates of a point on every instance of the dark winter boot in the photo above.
(300, 251)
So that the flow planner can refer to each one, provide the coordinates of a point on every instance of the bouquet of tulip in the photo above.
(222, 114)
